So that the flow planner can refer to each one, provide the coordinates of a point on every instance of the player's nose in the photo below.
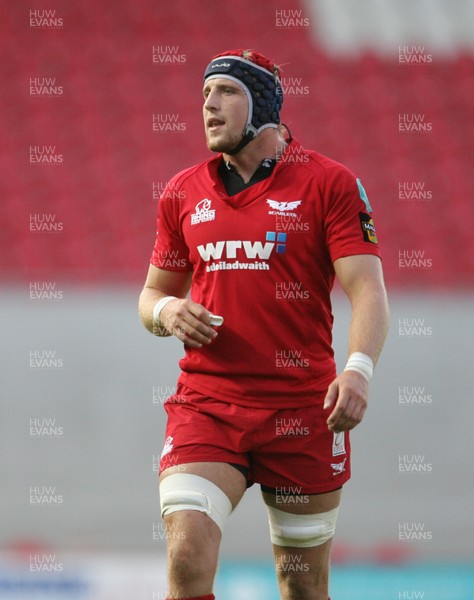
(212, 100)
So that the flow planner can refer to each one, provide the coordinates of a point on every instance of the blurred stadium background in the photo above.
(383, 86)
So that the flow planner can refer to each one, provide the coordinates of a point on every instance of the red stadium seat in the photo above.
(102, 126)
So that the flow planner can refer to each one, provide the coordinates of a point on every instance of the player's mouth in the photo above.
(214, 123)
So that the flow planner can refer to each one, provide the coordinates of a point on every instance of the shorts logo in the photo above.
(368, 228)
(203, 212)
(338, 444)
(339, 468)
(168, 446)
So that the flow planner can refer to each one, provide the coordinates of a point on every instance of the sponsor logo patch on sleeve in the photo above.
(368, 228)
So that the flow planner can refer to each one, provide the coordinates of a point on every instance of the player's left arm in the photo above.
(361, 278)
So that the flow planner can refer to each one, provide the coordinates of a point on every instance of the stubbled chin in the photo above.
(215, 147)
(216, 143)
(221, 142)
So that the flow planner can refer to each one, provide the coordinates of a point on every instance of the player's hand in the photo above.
(188, 321)
(348, 395)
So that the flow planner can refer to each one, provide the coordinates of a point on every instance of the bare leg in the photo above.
(303, 573)
(193, 538)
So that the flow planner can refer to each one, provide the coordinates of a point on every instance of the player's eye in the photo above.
(229, 91)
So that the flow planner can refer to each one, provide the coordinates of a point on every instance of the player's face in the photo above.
(225, 114)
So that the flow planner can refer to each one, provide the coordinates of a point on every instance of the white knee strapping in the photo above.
(183, 491)
(301, 531)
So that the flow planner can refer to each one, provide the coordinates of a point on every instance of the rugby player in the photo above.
(248, 246)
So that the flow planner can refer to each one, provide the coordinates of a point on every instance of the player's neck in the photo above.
(268, 144)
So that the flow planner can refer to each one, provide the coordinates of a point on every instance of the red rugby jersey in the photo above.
(263, 259)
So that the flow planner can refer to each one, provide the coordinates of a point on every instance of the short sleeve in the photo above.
(170, 251)
(348, 223)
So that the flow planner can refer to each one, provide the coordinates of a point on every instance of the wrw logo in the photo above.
(244, 248)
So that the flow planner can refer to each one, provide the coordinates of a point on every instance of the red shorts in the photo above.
(290, 450)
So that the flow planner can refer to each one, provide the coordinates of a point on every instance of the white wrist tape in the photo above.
(361, 363)
(158, 307)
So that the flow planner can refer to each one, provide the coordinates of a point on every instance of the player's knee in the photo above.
(192, 548)
(298, 588)
(188, 563)
(301, 531)
(300, 579)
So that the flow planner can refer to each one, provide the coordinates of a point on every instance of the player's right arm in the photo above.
(183, 318)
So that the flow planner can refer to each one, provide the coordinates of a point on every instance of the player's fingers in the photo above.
(359, 411)
(198, 311)
(356, 406)
(346, 423)
(351, 415)
(331, 395)
(190, 336)
(345, 415)
(185, 319)
(351, 402)
(182, 334)
(198, 330)
(340, 424)
(191, 342)
(351, 410)
(202, 316)
(337, 417)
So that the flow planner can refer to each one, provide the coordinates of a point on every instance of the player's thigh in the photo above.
(316, 528)
(229, 479)
(305, 563)
(304, 504)
(193, 536)
(318, 505)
